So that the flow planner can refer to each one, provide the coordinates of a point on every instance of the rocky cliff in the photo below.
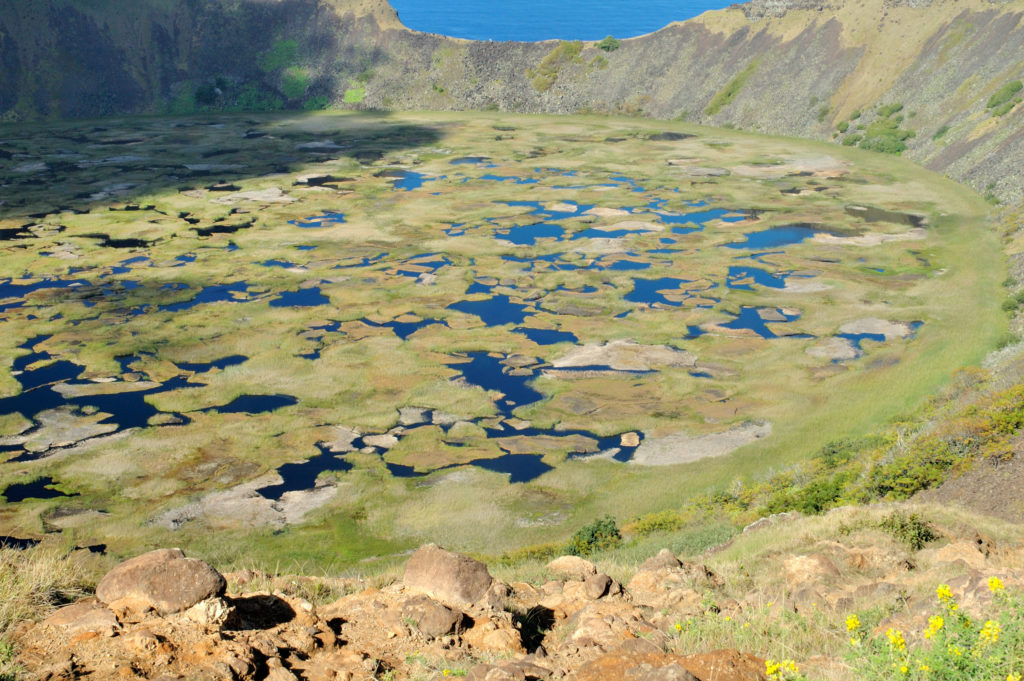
(788, 587)
(936, 77)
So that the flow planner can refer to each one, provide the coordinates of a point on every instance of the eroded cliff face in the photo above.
(808, 69)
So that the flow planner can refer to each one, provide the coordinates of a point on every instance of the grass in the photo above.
(725, 96)
(546, 73)
(33, 583)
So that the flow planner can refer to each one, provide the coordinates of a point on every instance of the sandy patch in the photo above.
(871, 239)
(61, 427)
(271, 195)
(833, 349)
(689, 170)
(72, 390)
(241, 506)
(602, 212)
(804, 286)
(632, 226)
(543, 444)
(683, 448)
(561, 207)
(626, 355)
(880, 327)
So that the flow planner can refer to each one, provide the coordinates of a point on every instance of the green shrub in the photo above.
(1004, 109)
(318, 103)
(888, 110)
(1004, 94)
(843, 126)
(355, 95)
(822, 113)
(885, 134)
(538, 552)
(855, 114)
(909, 529)
(206, 95)
(852, 140)
(660, 521)
(280, 55)
(940, 132)
(295, 83)
(597, 536)
(839, 452)
(252, 98)
(608, 44)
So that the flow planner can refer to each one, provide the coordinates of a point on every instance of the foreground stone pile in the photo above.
(164, 616)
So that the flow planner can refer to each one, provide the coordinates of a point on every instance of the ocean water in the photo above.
(531, 20)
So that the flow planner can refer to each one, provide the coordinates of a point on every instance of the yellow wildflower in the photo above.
(944, 593)
(995, 585)
(922, 667)
(896, 640)
(904, 669)
(746, 625)
(854, 641)
(773, 669)
(935, 623)
(446, 672)
(790, 666)
(852, 623)
(678, 626)
(990, 632)
(955, 651)
(1012, 677)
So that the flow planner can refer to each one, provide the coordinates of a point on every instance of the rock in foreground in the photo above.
(163, 580)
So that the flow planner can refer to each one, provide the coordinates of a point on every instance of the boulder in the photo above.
(596, 586)
(84, 617)
(494, 635)
(163, 580)
(725, 665)
(430, 617)
(573, 567)
(664, 559)
(802, 571)
(452, 578)
(512, 671)
(635, 667)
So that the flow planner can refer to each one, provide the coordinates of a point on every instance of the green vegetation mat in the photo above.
(483, 330)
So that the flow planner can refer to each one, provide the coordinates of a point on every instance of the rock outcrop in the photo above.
(449, 577)
(163, 580)
(449, 613)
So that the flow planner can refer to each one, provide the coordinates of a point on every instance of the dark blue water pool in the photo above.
(43, 488)
(547, 336)
(306, 297)
(495, 311)
(218, 293)
(255, 404)
(649, 291)
(776, 237)
(527, 235)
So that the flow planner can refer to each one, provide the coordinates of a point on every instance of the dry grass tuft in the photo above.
(36, 581)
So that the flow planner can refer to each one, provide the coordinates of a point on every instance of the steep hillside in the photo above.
(806, 69)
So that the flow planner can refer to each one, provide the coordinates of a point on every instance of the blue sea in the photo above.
(531, 20)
